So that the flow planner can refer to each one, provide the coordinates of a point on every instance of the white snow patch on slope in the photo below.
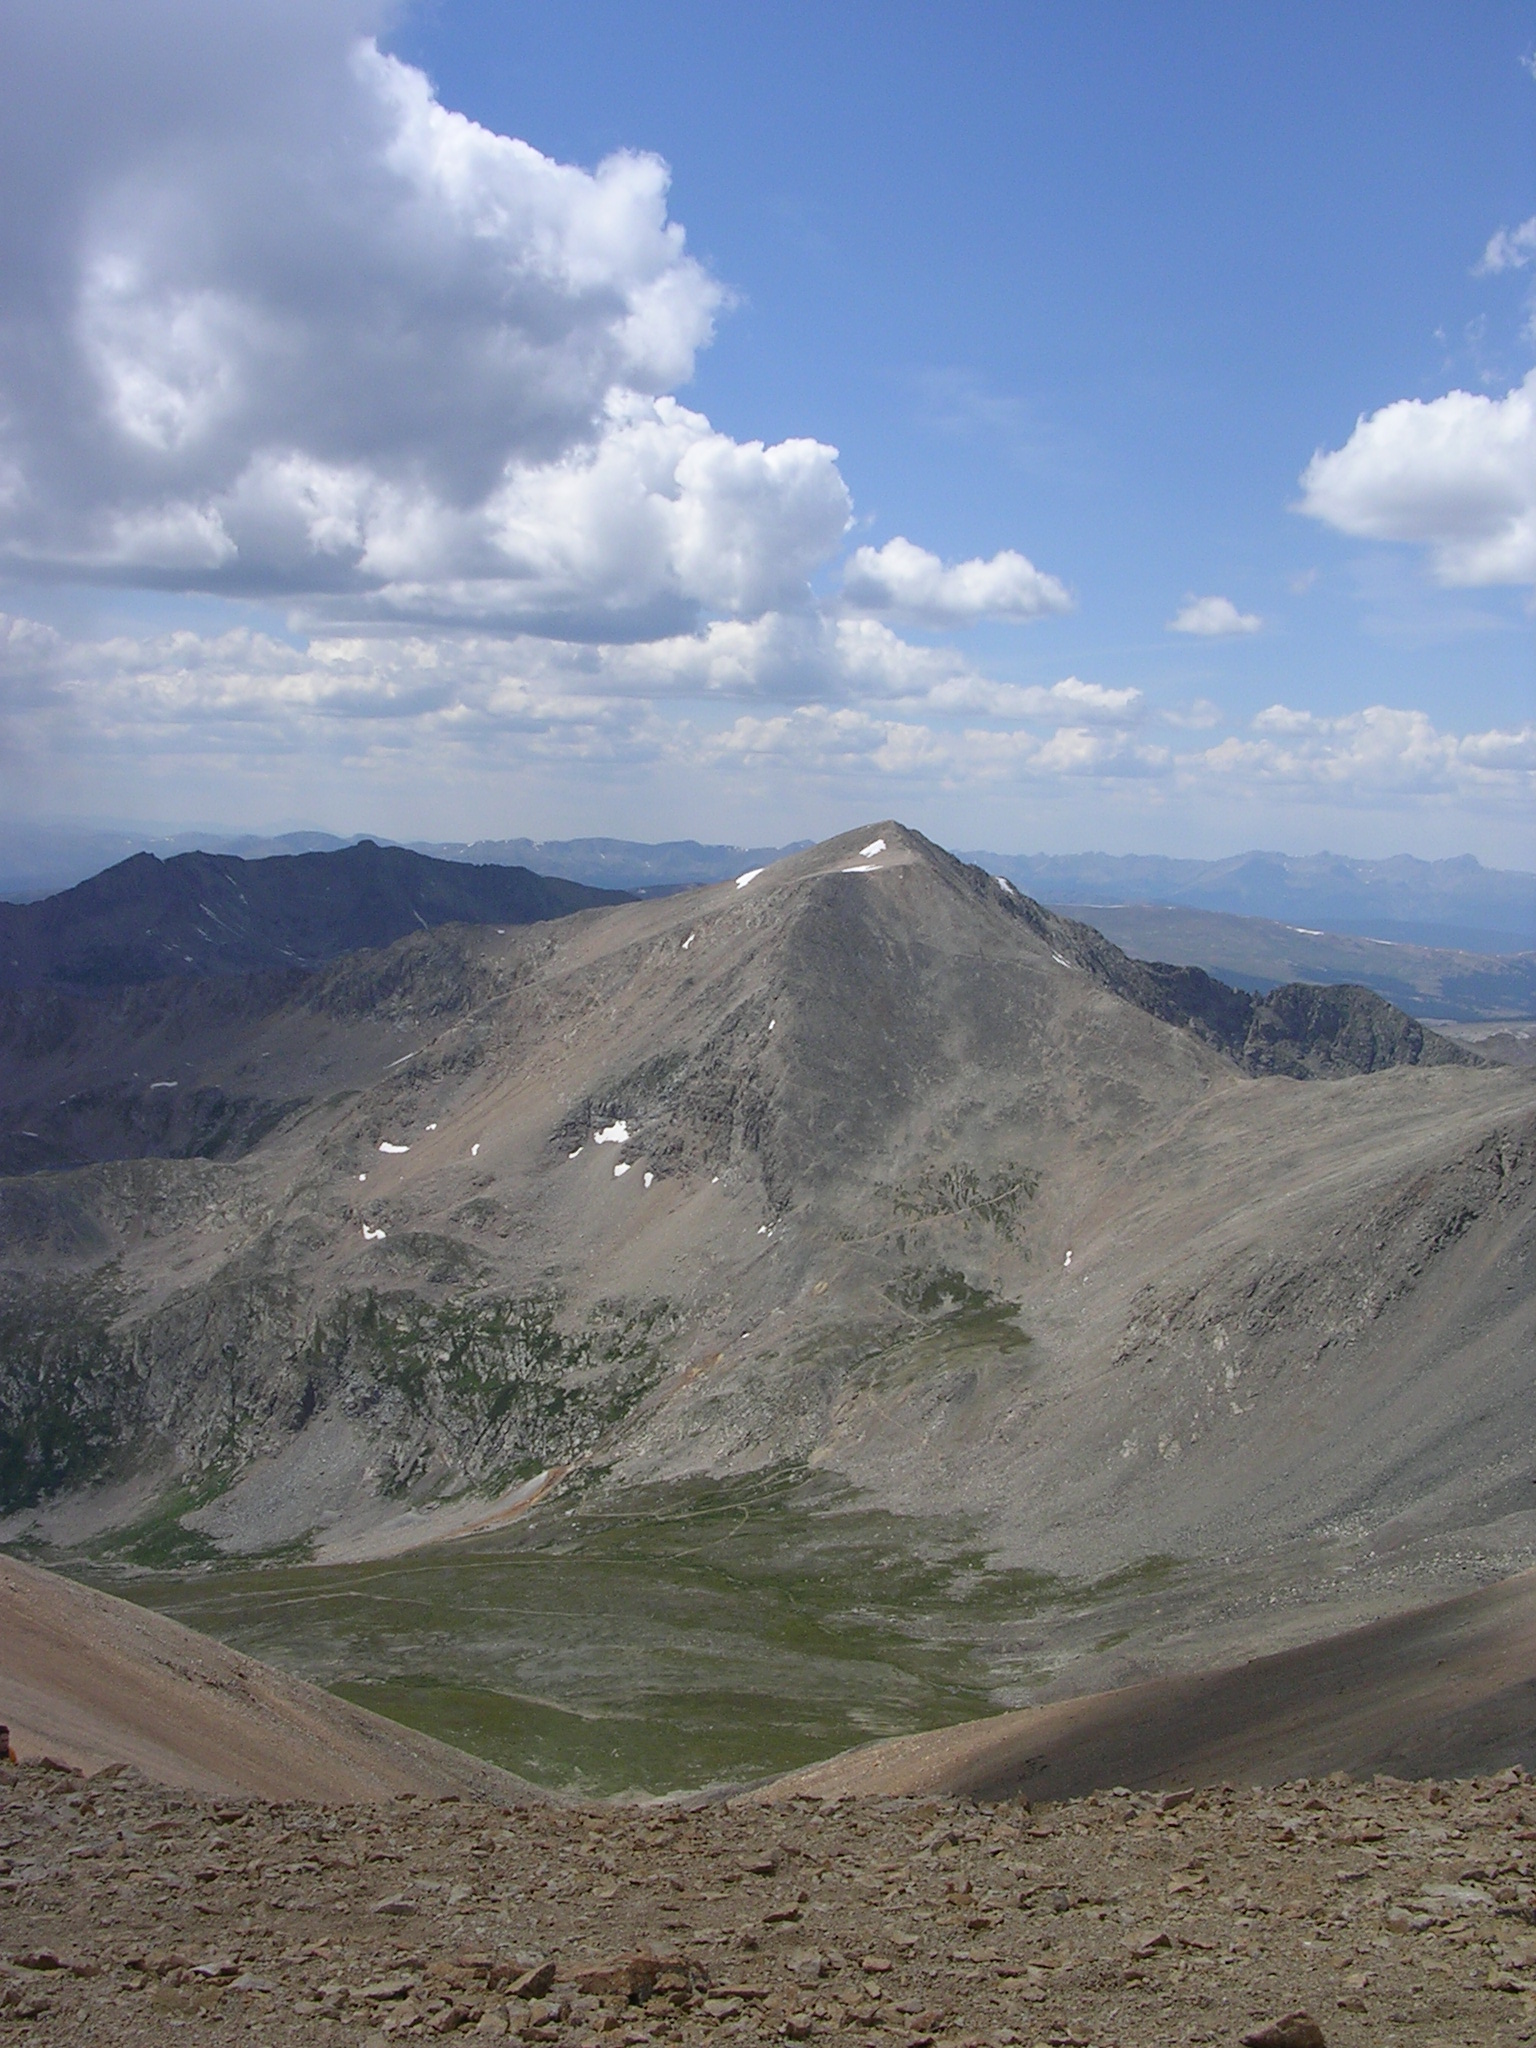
(869, 868)
(750, 876)
(163, 1084)
(385, 1146)
(689, 940)
(620, 1168)
(1004, 884)
(1059, 961)
(868, 852)
(616, 1134)
(374, 1236)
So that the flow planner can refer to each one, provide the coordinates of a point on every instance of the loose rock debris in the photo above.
(1388, 1914)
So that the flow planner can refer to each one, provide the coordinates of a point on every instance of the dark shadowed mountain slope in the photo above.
(209, 913)
(1299, 1029)
(1260, 954)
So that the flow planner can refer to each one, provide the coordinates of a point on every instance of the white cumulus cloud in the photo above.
(1213, 617)
(283, 323)
(1456, 474)
(904, 581)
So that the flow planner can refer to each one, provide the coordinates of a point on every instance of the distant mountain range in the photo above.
(1457, 904)
(37, 861)
(215, 913)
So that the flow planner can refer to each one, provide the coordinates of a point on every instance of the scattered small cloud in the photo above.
(1212, 618)
(1302, 582)
(1199, 715)
(904, 581)
(1509, 249)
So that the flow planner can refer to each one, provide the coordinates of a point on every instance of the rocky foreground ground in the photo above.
(1391, 1912)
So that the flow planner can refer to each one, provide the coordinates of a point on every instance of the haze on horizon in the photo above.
(1057, 431)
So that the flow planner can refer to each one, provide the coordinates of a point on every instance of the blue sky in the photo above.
(345, 541)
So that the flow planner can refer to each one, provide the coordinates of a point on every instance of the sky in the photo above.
(1059, 428)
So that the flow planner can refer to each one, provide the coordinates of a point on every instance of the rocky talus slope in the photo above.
(1396, 1915)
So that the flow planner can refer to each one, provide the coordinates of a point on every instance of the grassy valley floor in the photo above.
(661, 1639)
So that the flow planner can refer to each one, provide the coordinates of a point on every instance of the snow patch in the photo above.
(620, 1168)
(689, 940)
(616, 1134)
(771, 1022)
(868, 868)
(1067, 1261)
(1306, 931)
(362, 1176)
(750, 876)
(868, 852)
(1005, 885)
(374, 1236)
(385, 1146)
(577, 1153)
(649, 1178)
(163, 1084)
(474, 1151)
(431, 1127)
(1059, 961)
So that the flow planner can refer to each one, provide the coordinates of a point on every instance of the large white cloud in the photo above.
(281, 322)
(904, 581)
(1456, 474)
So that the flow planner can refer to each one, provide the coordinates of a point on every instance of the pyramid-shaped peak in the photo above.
(864, 850)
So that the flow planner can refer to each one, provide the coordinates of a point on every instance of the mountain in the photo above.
(1256, 953)
(41, 859)
(863, 1165)
(1455, 903)
(210, 913)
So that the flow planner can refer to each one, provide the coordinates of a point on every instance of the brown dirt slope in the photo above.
(1448, 1689)
(91, 1680)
